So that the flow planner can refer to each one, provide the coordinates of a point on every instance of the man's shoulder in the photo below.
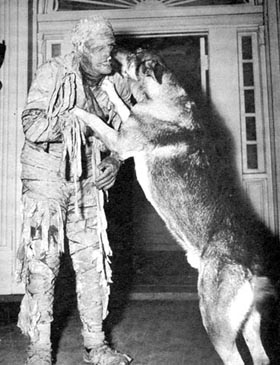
(65, 62)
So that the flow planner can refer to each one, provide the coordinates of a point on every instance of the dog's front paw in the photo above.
(78, 112)
(109, 88)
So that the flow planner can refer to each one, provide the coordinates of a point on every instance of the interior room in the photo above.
(225, 54)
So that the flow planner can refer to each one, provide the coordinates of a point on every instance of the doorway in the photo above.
(183, 55)
(159, 264)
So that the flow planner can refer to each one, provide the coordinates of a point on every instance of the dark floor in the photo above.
(168, 331)
(151, 332)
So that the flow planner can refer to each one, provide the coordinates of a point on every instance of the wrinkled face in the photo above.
(96, 57)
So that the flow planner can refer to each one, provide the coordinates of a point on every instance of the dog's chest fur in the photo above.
(146, 170)
(143, 175)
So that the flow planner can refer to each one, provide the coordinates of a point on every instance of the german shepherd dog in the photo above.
(182, 174)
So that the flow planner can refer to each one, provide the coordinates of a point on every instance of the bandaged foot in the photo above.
(104, 355)
(39, 355)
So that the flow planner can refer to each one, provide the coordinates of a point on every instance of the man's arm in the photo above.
(38, 125)
(105, 133)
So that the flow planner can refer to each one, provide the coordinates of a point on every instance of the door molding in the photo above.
(272, 40)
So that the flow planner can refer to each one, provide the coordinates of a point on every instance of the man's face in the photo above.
(96, 57)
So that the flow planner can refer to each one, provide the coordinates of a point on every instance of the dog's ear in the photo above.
(155, 70)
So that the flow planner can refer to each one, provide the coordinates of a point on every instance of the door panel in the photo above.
(182, 54)
(236, 88)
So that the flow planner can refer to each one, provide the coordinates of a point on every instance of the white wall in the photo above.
(13, 75)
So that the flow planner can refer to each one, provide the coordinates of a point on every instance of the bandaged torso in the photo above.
(44, 117)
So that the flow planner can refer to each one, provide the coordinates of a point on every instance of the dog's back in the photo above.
(181, 173)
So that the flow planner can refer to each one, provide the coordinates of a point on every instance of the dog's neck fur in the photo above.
(168, 91)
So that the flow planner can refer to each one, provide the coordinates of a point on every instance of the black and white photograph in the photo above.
(140, 182)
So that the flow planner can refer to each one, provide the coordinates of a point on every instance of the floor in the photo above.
(151, 332)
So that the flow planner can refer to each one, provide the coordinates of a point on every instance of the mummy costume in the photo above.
(60, 169)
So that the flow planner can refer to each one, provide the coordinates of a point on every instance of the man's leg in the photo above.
(91, 278)
(39, 254)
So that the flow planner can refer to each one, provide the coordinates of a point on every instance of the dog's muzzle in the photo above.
(125, 63)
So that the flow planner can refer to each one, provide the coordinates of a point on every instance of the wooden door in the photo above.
(237, 79)
(187, 57)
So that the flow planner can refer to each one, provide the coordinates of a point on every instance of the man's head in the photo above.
(93, 40)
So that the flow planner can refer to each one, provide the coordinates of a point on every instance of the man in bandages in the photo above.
(63, 180)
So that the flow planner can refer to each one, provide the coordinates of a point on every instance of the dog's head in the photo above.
(145, 69)
(140, 63)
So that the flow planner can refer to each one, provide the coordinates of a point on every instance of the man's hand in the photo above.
(108, 168)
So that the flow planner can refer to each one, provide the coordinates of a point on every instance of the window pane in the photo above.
(56, 50)
(249, 101)
(251, 134)
(248, 74)
(252, 156)
(247, 48)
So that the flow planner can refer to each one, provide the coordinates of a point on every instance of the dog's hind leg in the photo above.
(226, 299)
(251, 334)
(222, 335)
